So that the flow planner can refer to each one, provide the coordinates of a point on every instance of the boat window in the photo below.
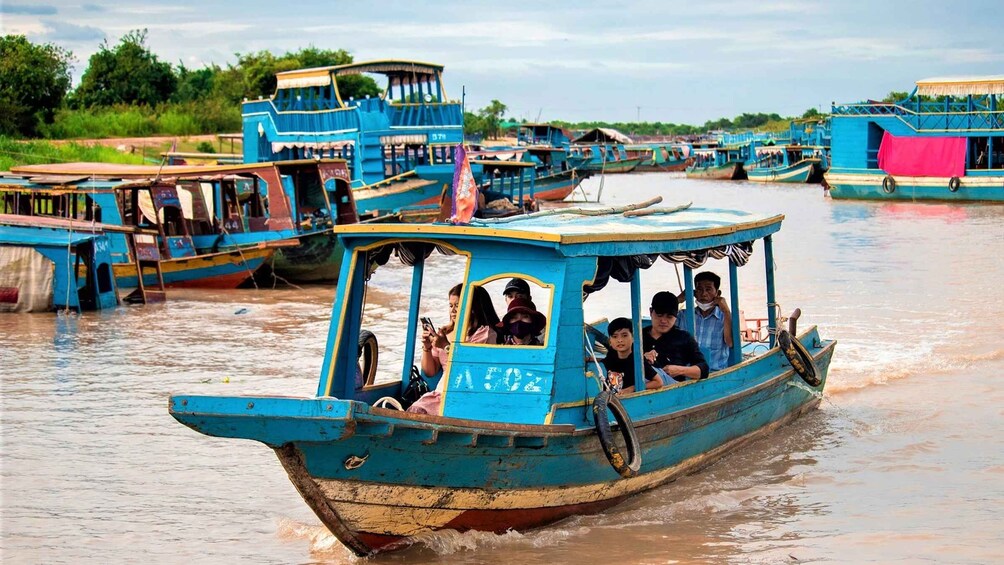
(504, 288)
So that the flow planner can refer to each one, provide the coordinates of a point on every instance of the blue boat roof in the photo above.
(14, 235)
(686, 228)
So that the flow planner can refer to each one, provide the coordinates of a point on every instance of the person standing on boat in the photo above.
(523, 323)
(436, 346)
(713, 322)
(669, 347)
(619, 362)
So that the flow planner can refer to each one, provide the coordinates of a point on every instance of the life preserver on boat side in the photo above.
(604, 400)
(954, 183)
(888, 184)
(799, 357)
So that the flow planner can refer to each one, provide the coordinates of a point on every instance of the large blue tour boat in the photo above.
(945, 141)
(399, 146)
(521, 437)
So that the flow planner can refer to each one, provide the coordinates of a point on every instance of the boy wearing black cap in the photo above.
(516, 288)
(669, 347)
(619, 362)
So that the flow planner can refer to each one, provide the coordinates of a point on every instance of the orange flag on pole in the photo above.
(465, 190)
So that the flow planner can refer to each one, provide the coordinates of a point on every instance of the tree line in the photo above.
(127, 90)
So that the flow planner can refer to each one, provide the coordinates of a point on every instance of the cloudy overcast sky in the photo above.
(671, 61)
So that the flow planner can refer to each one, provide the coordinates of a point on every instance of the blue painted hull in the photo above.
(377, 478)
(869, 186)
(797, 173)
(218, 270)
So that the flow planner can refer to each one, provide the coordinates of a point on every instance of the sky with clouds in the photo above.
(671, 61)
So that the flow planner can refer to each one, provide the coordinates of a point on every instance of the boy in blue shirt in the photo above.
(713, 320)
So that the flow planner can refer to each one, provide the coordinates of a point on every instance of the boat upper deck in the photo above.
(969, 104)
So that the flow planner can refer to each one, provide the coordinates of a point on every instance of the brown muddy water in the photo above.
(902, 463)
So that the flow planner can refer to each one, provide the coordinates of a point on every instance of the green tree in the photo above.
(492, 115)
(254, 74)
(129, 73)
(195, 84)
(812, 113)
(33, 82)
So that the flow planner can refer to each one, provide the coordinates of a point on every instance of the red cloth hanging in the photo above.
(923, 156)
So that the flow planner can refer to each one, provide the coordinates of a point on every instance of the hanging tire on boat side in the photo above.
(604, 400)
(368, 353)
(888, 184)
(954, 183)
(799, 357)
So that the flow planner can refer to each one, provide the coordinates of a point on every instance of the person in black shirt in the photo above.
(619, 362)
(669, 347)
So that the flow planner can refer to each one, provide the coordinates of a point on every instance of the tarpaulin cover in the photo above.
(26, 279)
(923, 156)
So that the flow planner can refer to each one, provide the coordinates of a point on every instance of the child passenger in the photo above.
(619, 363)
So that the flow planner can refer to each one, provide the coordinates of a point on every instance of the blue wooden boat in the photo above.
(51, 268)
(144, 219)
(718, 162)
(543, 135)
(945, 141)
(288, 206)
(515, 444)
(399, 146)
(601, 151)
(785, 163)
(660, 157)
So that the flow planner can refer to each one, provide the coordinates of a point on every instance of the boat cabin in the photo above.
(565, 258)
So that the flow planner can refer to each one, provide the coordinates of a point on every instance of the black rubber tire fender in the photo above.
(888, 184)
(625, 468)
(369, 353)
(799, 357)
(954, 183)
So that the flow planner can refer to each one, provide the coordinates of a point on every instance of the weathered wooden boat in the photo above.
(660, 157)
(398, 145)
(921, 149)
(718, 162)
(521, 438)
(785, 163)
(601, 151)
(289, 206)
(50, 268)
(145, 223)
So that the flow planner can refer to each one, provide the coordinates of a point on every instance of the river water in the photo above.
(903, 462)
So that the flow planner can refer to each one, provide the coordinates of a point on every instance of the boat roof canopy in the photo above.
(70, 173)
(602, 135)
(961, 86)
(682, 229)
(394, 69)
(16, 235)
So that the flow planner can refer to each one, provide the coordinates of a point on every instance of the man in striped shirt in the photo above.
(713, 322)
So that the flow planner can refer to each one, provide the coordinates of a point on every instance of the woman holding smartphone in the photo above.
(436, 346)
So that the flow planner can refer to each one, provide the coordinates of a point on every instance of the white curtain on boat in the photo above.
(26, 280)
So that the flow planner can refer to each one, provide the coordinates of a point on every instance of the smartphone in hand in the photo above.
(427, 324)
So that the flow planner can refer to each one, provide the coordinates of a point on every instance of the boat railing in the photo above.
(927, 116)
(300, 122)
(410, 114)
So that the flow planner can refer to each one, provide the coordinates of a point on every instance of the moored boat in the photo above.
(521, 437)
(717, 162)
(920, 148)
(54, 268)
(398, 145)
(660, 157)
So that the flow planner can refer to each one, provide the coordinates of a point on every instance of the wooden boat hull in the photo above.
(379, 199)
(558, 186)
(227, 269)
(317, 258)
(666, 167)
(380, 481)
(801, 172)
(869, 186)
(728, 171)
(611, 167)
